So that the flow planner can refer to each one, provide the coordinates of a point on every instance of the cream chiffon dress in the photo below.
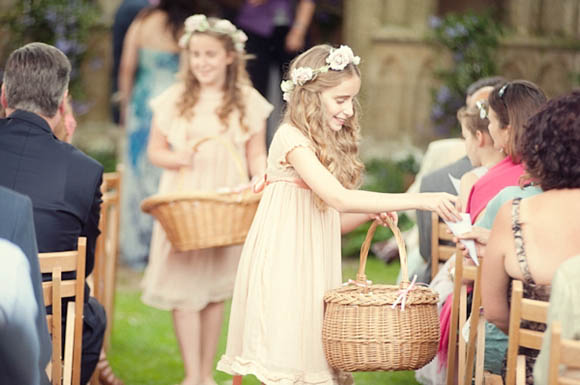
(192, 280)
(291, 257)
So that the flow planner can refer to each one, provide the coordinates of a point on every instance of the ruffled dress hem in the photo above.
(241, 366)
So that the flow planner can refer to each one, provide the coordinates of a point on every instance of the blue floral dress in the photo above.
(155, 72)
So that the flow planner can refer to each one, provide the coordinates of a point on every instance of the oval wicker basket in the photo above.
(367, 328)
(198, 219)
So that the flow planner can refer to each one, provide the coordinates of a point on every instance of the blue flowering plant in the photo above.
(472, 40)
(66, 24)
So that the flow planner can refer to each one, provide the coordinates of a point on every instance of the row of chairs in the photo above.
(463, 352)
(65, 366)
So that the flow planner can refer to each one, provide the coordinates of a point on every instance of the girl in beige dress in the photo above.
(213, 99)
(291, 256)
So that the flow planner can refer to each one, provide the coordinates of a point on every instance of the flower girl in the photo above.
(291, 256)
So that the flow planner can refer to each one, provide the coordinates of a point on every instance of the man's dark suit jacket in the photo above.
(64, 187)
(62, 182)
(437, 181)
(17, 226)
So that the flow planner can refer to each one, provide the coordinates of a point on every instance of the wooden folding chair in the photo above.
(565, 352)
(522, 309)
(107, 248)
(65, 367)
(459, 350)
(442, 246)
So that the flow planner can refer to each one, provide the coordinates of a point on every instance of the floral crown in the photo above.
(337, 60)
(200, 23)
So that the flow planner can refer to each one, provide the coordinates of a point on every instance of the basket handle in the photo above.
(364, 251)
(242, 171)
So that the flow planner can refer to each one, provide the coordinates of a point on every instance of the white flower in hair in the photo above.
(196, 23)
(287, 86)
(301, 75)
(225, 27)
(339, 58)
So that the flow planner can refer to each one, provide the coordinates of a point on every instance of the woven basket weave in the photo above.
(197, 220)
(363, 332)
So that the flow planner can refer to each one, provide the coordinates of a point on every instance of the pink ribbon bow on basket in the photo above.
(402, 298)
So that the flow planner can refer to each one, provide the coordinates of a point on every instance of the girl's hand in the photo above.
(480, 235)
(184, 157)
(443, 204)
(381, 218)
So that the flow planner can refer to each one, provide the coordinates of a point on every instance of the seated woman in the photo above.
(478, 143)
(530, 238)
(510, 106)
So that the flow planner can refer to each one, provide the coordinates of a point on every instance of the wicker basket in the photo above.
(197, 220)
(380, 327)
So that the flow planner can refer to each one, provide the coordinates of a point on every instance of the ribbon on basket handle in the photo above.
(403, 293)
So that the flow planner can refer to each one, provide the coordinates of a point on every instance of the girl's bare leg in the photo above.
(188, 329)
(211, 324)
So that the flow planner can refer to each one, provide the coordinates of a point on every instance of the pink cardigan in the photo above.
(505, 173)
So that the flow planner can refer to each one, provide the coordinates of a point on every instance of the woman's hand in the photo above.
(480, 235)
(443, 204)
(381, 218)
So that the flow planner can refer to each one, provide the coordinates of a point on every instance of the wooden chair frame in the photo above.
(68, 368)
(441, 247)
(459, 349)
(563, 351)
(522, 309)
(107, 249)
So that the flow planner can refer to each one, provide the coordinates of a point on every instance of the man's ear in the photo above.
(62, 104)
(3, 98)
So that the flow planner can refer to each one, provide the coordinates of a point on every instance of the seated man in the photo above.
(17, 227)
(62, 182)
(20, 343)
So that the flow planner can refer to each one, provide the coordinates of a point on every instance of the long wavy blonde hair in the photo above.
(337, 151)
(236, 78)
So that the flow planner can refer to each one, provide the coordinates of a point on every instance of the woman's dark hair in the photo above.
(513, 103)
(179, 10)
(550, 144)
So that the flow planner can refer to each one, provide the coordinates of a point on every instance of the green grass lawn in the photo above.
(144, 350)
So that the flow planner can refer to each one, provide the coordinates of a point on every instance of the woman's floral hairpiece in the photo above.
(200, 23)
(482, 107)
(337, 60)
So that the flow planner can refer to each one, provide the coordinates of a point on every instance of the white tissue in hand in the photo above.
(462, 227)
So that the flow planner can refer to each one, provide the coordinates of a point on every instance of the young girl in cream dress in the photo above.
(214, 99)
(291, 256)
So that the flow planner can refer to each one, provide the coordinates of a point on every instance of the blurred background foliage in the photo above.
(472, 39)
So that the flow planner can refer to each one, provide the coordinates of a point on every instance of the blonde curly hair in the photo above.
(236, 78)
(337, 151)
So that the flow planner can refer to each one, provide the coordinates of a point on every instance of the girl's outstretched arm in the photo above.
(329, 189)
(161, 155)
(256, 153)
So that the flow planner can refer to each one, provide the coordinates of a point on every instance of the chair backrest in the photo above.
(563, 351)
(442, 246)
(68, 365)
(460, 350)
(523, 309)
(107, 248)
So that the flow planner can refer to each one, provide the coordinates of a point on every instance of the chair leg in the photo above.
(237, 380)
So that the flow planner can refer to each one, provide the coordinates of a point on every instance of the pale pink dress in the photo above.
(192, 280)
(291, 257)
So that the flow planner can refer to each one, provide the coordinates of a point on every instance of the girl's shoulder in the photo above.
(252, 95)
(289, 134)
(168, 98)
